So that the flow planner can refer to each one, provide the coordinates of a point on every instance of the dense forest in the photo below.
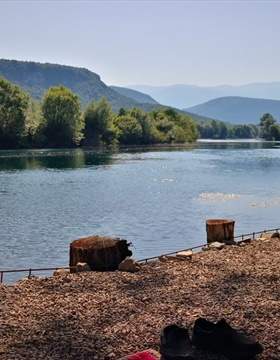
(59, 120)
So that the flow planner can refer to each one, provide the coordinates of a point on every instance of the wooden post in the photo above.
(221, 230)
(100, 253)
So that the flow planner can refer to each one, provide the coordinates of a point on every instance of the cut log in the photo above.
(100, 253)
(220, 230)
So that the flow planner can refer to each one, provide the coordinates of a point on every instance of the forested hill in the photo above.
(36, 78)
(238, 110)
(138, 96)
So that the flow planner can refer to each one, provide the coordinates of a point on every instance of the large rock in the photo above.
(129, 265)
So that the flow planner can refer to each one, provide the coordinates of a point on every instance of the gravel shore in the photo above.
(109, 315)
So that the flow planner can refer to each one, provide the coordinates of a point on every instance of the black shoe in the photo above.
(175, 343)
(221, 338)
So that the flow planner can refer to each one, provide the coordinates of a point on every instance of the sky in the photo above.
(148, 42)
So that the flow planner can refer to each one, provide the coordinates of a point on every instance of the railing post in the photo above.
(29, 273)
(253, 236)
(1, 277)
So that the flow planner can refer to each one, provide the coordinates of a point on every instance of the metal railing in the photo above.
(242, 237)
(29, 271)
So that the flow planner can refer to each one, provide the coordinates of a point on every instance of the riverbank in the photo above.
(108, 315)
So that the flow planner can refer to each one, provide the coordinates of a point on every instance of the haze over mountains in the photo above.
(36, 78)
(135, 95)
(184, 96)
(249, 104)
(237, 110)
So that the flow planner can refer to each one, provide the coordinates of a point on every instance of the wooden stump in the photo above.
(100, 253)
(221, 230)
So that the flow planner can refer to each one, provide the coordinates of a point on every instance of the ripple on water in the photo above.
(217, 197)
(158, 200)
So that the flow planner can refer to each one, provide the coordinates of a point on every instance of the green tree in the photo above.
(13, 107)
(146, 123)
(33, 125)
(63, 122)
(122, 112)
(189, 127)
(275, 132)
(98, 120)
(266, 122)
(129, 131)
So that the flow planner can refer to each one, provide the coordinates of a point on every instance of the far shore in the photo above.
(145, 146)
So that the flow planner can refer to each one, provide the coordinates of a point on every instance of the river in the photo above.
(158, 199)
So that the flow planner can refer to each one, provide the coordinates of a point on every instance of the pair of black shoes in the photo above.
(218, 338)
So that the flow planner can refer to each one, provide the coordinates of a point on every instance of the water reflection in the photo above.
(79, 158)
(52, 159)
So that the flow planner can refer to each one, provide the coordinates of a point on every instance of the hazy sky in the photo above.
(148, 42)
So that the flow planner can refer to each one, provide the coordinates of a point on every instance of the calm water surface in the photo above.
(157, 199)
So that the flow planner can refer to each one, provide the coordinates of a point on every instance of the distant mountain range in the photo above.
(135, 95)
(237, 110)
(36, 78)
(184, 96)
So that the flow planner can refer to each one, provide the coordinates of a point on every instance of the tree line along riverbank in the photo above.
(59, 120)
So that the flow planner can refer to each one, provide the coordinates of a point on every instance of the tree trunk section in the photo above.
(100, 253)
(221, 230)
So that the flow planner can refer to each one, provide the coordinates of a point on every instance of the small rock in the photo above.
(245, 241)
(82, 266)
(185, 254)
(216, 245)
(242, 244)
(264, 236)
(59, 272)
(129, 265)
(163, 258)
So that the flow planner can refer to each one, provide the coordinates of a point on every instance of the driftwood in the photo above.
(100, 253)
(220, 230)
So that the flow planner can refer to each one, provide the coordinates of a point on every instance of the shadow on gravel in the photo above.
(144, 284)
(61, 339)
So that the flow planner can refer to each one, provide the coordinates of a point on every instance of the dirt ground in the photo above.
(108, 315)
